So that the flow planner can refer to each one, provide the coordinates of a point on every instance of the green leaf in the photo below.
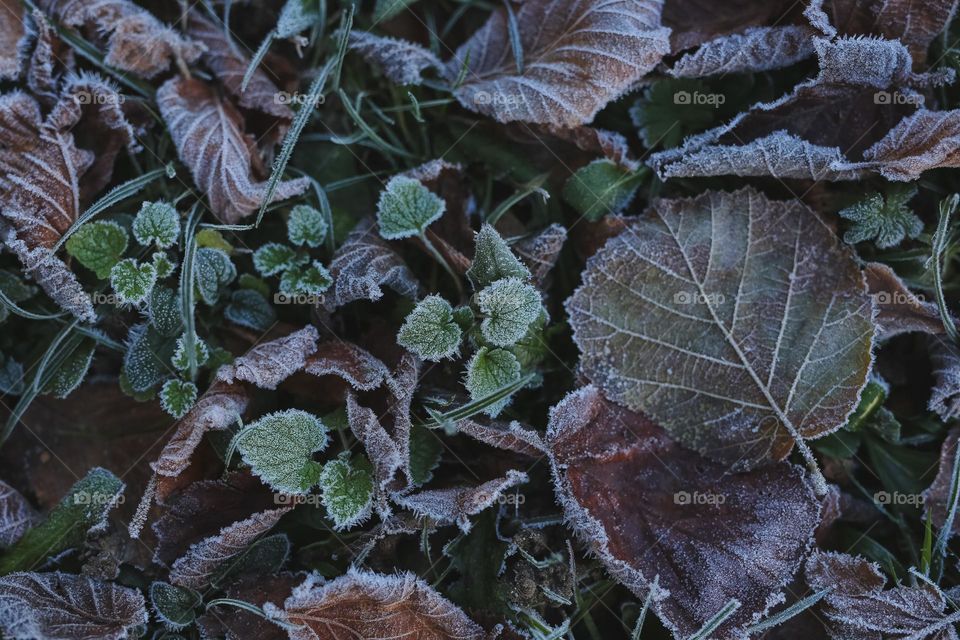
(177, 397)
(146, 362)
(296, 16)
(132, 282)
(279, 447)
(425, 451)
(487, 371)
(164, 311)
(306, 226)
(72, 372)
(163, 265)
(884, 221)
(180, 359)
(601, 187)
(273, 258)
(510, 306)
(667, 112)
(175, 606)
(532, 348)
(98, 246)
(213, 271)
(346, 491)
(430, 330)
(248, 308)
(308, 281)
(157, 223)
(493, 260)
(213, 239)
(253, 283)
(406, 208)
(11, 376)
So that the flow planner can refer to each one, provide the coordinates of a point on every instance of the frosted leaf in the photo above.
(402, 384)
(348, 361)
(898, 310)
(858, 608)
(132, 281)
(945, 395)
(163, 265)
(98, 246)
(14, 41)
(364, 604)
(513, 437)
(601, 188)
(650, 508)
(509, 307)
(310, 280)
(578, 55)
(72, 371)
(296, 16)
(174, 606)
(306, 226)
(920, 142)
(364, 264)
(455, 506)
(157, 223)
(540, 252)
(756, 49)
(430, 330)
(488, 371)
(16, 515)
(180, 359)
(936, 498)
(177, 397)
(12, 381)
(135, 40)
(884, 220)
(493, 260)
(402, 62)
(280, 447)
(406, 208)
(53, 276)
(230, 623)
(381, 449)
(346, 492)
(737, 323)
(425, 452)
(273, 258)
(195, 568)
(610, 144)
(250, 309)
(147, 360)
(267, 365)
(62, 605)
(213, 271)
(210, 141)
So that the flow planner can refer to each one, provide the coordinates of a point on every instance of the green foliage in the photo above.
(346, 491)
(279, 447)
(163, 265)
(180, 359)
(177, 397)
(98, 246)
(666, 112)
(157, 223)
(253, 283)
(311, 280)
(306, 226)
(425, 452)
(132, 281)
(273, 258)
(488, 371)
(493, 260)
(11, 376)
(430, 330)
(164, 311)
(248, 308)
(509, 307)
(601, 187)
(406, 208)
(213, 271)
(147, 360)
(175, 606)
(213, 239)
(71, 373)
(885, 221)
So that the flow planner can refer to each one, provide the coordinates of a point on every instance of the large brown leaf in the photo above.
(653, 510)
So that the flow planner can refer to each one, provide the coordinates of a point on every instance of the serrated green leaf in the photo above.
(406, 208)
(213, 271)
(163, 265)
(279, 447)
(180, 359)
(175, 606)
(601, 187)
(306, 226)
(273, 258)
(72, 372)
(493, 260)
(309, 281)
(98, 246)
(346, 492)
(487, 371)
(147, 361)
(164, 311)
(430, 330)
(509, 307)
(132, 282)
(664, 115)
(157, 223)
(177, 397)
(248, 308)
(885, 221)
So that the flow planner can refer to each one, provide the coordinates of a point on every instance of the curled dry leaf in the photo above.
(364, 604)
(739, 324)
(346, 360)
(922, 141)
(208, 134)
(757, 49)
(61, 605)
(383, 451)
(13, 40)
(541, 251)
(899, 310)
(402, 62)
(513, 437)
(707, 535)
(267, 365)
(858, 608)
(936, 498)
(945, 395)
(578, 55)
(402, 384)
(16, 515)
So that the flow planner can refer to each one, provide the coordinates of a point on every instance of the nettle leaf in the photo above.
(273, 258)
(364, 604)
(673, 526)
(174, 606)
(430, 330)
(71, 373)
(132, 281)
(488, 371)
(510, 306)
(250, 309)
(177, 397)
(98, 246)
(163, 265)
(270, 363)
(180, 359)
(306, 226)
(213, 271)
(600, 188)
(578, 55)
(16, 515)
(346, 492)
(157, 223)
(885, 221)
(406, 208)
(279, 447)
(311, 280)
(164, 311)
(61, 605)
(747, 310)
(493, 260)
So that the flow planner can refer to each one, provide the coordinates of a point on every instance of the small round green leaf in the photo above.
(131, 281)
(406, 208)
(98, 246)
(273, 258)
(157, 223)
(509, 306)
(309, 281)
(346, 492)
(279, 447)
(177, 396)
(248, 308)
(488, 371)
(213, 271)
(430, 330)
(306, 226)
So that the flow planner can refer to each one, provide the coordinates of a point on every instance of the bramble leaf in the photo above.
(346, 491)
(488, 371)
(509, 306)
(430, 330)
(493, 260)
(279, 447)
(884, 220)
(306, 226)
(157, 223)
(273, 258)
(406, 208)
(98, 246)
(177, 397)
(131, 281)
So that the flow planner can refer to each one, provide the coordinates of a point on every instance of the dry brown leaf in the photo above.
(922, 141)
(756, 49)
(513, 437)
(540, 252)
(268, 364)
(208, 133)
(693, 22)
(16, 515)
(936, 498)
(13, 39)
(383, 451)
(357, 366)
(899, 310)
(236, 624)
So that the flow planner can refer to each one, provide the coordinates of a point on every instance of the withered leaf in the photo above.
(354, 364)
(402, 62)
(541, 251)
(364, 604)
(16, 515)
(61, 605)
(936, 498)
(268, 364)
(899, 310)
(652, 509)
(693, 22)
(208, 134)
(578, 55)
(13, 39)
(513, 437)
(402, 384)
(757, 49)
(234, 624)
(383, 451)
(736, 322)
(922, 141)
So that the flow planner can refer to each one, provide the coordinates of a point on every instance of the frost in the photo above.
(578, 56)
(493, 260)
(936, 498)
(510, 306)
(280, 447)
(306, 226)
(513, 437)
(383, 452)
(458, 504)
(402, 62)
(898, 310)
(296, 16)
(131, 281)
(98, 246)
(601, 188)
(406, 208)
(164, 311)
(180, 359)
(146, 361)
(12, 380)
(267, 365)
(157, 223)
(250, 309)
(347, 492)
(922, 141)
(747, 309)
(310, 280)
(72, 371)
(945, 395)
(757, 49)
(487, 372)
(177, 397)
(344, 359)
(885, 221)
(13, 43)
(163, 265)
(430, 330)
(174, 606)
(61, 605)
(213, 271)
(273, 258)
(16, 515)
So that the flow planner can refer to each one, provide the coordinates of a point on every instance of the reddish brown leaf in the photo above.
(937, 496)
(540, 252)
(899, 310)
(348, 361)
(513, 437)
(237, 624)
(267, 365)
(920, 142)
(402, 62)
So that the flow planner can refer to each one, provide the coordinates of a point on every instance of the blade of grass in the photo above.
(343, 37)
(718, 619)
(187, 301)
(790, 612)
